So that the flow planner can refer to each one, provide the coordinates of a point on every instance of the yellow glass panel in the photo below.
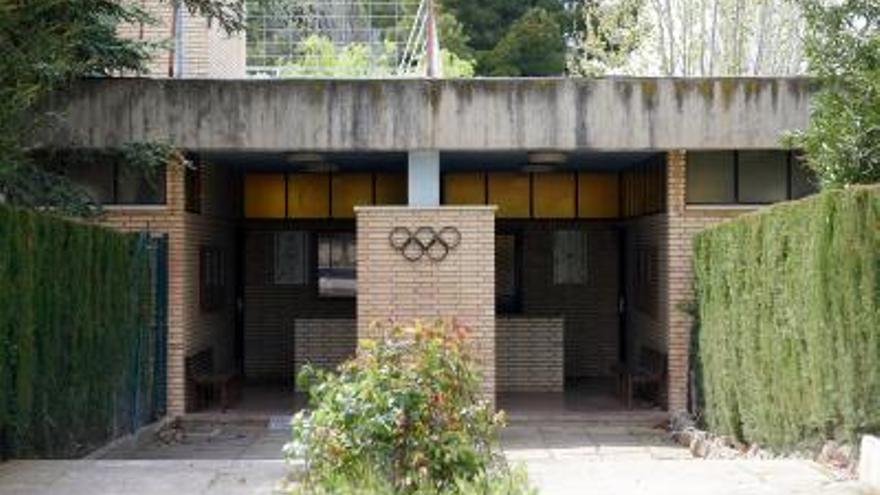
(464, 188)
(264, 196)
(350, 190)
(510, 191)
(308, 195)
(391, 189)
(598, 195)
(554, 195)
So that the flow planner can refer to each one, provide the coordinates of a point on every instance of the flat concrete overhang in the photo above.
(399, 115)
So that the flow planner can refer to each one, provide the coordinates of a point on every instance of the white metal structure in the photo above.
(342, 38)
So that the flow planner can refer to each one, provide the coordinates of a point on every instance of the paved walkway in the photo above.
(571, 459)
(567, 458)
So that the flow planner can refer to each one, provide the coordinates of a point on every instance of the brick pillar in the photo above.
(462, 286)
(678, 281)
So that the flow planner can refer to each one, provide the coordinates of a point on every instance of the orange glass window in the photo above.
(598, 195)
(510, 191)
(391, 189)
(464, 188)
(308, 195)
(350, 190)
(554, 195)
(264, 196)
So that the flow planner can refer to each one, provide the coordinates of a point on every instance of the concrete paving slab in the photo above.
(142, 477)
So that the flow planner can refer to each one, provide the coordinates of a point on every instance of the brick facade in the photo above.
(189, 329)
(462, 286)
(683, 223)
(208, 51)
(529, 354)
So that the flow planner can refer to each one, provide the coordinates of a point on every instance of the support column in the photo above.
(459, 285)
(423, 173)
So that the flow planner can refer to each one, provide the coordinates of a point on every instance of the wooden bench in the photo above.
(648, 371)
(206, 383)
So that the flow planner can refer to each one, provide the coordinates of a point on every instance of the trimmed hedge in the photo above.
(788, 341)
(75, 334)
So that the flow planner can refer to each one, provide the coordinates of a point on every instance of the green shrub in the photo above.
(407, 411)
(788, 345)
(75, 335)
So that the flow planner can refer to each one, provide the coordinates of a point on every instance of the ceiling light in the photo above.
(547, 157)
(304, 158)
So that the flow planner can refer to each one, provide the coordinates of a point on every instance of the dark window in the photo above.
(507, 285)
(212, 279)
(570, 251)
(762, 176)
(193, 186)
(746, 177)
(337, 265)
(114, 183)
(291, 267)
(710, 177)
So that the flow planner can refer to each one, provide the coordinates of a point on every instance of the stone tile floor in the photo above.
(565, 458)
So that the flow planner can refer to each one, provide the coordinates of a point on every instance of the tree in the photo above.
(533, 46)
(610, 33)
(46, 45)
(488, 25)
(691, 38)
(842, 141)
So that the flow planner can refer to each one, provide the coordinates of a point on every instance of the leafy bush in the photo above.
(788, 346)
(407, 412)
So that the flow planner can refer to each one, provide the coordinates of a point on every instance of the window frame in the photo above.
(315, 276)
(515, 305)
(212, 297)
(737, 201)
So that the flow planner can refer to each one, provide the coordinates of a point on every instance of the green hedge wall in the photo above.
(788, 340)
(75, 322)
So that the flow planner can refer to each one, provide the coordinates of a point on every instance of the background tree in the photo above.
(842, 142)
(691, 38)
(45, 45)
(508, 37)
(609, 34)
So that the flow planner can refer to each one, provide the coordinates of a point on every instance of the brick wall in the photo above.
(165, 219)
(462, 286)
(324, 343)
(189, 330)
(208, 51)
(589, 310)
(529, 354)
(684, 222)
(272, 311)
(647, 307)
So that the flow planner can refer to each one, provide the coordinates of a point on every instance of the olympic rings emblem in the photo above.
(425, 241)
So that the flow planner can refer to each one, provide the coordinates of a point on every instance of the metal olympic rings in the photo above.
(424, 241)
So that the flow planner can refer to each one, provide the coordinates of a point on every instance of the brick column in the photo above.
(684, 222)
(678, 281)
(462, 286)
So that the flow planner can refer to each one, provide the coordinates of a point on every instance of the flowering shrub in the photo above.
(407, 412)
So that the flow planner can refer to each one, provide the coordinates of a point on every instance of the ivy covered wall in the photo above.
(79, 348)
(788, 345)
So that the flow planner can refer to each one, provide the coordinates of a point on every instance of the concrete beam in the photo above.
(401, 115)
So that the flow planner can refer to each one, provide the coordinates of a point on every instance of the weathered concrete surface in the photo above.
(477, 114)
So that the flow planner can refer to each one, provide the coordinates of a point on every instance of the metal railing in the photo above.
(336, 38)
